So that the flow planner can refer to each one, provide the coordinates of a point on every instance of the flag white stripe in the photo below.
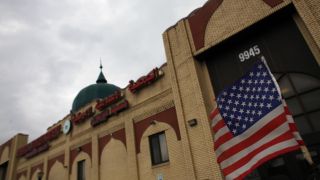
(221, 132)
(273, 134)
(295, 133)
(257, 158)
(284, 103)
(239, 155)
(289, 118)
(216, 119)
(252, 130)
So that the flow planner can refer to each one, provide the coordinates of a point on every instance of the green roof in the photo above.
(93, 92)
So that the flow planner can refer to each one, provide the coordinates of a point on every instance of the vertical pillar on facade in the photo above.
(29, 172)
(45, 168)
(18, 141)
(12, 158)
(95, 157)
(312, 23)
(131, 150)
(67, 158)
(188, 98)
(171, 41)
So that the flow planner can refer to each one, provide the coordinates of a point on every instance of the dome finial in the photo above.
(101, 78)
(101, 65)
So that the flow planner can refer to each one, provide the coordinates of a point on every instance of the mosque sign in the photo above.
(82, 116)
(115, 97)
(146, 80)
(108, 112)
(39, 145)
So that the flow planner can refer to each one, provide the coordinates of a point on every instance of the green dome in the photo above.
(93, 92)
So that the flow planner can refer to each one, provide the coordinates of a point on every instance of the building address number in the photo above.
(251, 52)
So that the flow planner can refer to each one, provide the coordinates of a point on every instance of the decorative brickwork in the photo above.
(199, 19)
(20, 174)
(34, 169)
(103, 141)
(273, 3)
(59, 158)
(85, 148)
(168, 116)
(120, 135)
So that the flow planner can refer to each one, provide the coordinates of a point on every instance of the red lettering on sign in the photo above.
(102, 104)
(37, 151)
(119, 107)
(82, 116)
(103, 116)
(144, 80)
(39, 145)
(100, 118)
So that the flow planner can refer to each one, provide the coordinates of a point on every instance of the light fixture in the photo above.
(193, 122)
(79, 149)
(40, 174)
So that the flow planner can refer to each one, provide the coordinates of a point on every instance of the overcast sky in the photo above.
(50, 50)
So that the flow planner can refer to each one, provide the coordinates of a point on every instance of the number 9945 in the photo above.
(251, 52)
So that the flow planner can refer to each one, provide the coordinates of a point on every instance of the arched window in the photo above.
(302, 94)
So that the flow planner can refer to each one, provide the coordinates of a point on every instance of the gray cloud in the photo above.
(50, 50)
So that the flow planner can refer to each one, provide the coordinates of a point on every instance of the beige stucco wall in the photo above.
(314, 7)
(192, 90)
(309, 13)
(185, 86)
(57, 172)
(189, 100)
(88, 167)
(8, 154)
(22, 178)
(118, 161)
(233, 16)
(34, 176)
(174, 169)
(5, 155)
(114, 161)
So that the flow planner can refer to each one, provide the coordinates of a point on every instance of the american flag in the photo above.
(251, 124)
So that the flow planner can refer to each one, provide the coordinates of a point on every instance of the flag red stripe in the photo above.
(267, 158)
(272, 135)
(253, 138)
(293, 127)
(222, 139)
(286, 110)
(301, 142)
(214, 113)
(219, 125)
(242, 162)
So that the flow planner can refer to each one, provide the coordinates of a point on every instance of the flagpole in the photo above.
(307, 155)
(305, 151)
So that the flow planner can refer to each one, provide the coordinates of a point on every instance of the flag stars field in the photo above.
(251, 117)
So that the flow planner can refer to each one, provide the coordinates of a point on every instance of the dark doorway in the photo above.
(279, 40)
(3, 170)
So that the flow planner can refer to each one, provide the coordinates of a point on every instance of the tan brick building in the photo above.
(158, 126)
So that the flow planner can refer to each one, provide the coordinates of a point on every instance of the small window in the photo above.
(158, 148)
(81, 170)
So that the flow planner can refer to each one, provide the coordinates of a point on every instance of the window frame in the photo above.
(158, 149)
(81, 168)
